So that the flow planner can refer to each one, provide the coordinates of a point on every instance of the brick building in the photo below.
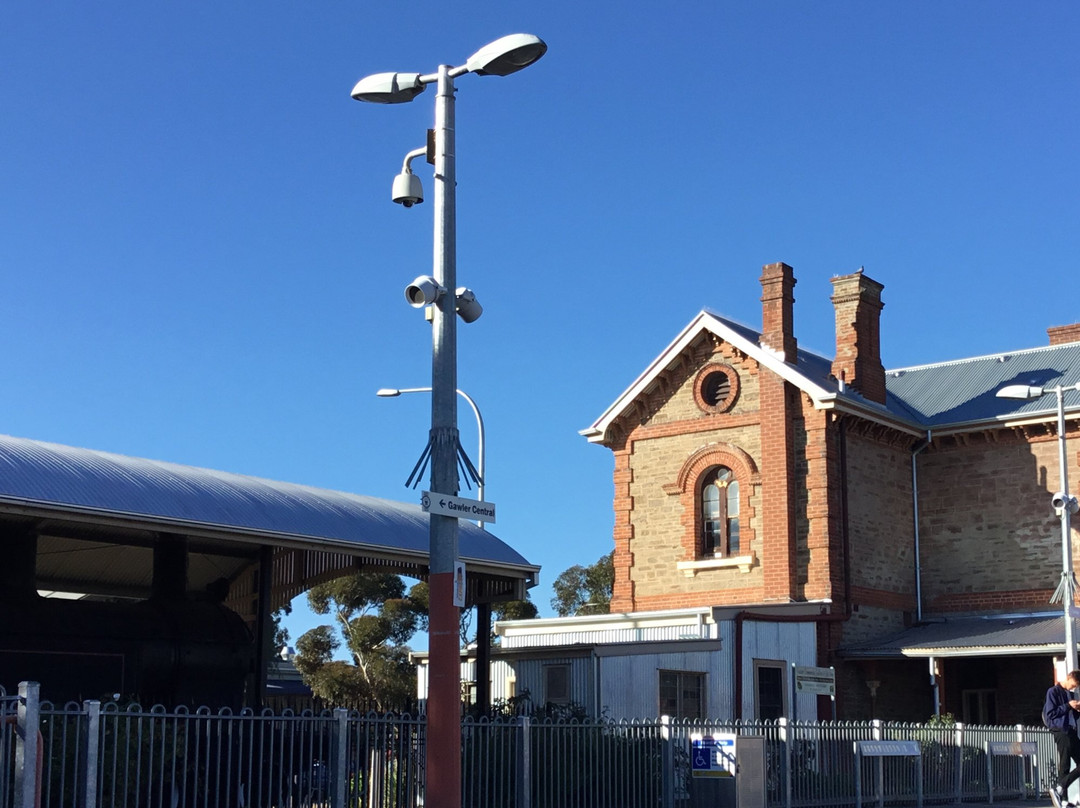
(895, 523)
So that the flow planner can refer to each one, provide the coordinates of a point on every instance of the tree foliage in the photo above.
(373, 618)
(503, 610)
(584, 590)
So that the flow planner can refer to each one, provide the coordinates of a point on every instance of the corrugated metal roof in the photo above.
(964, 391)
(956, 392)
(34, 473)
(968, 636)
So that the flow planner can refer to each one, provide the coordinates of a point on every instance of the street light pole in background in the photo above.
(394, 392)
(441, 294)
(1063, 503)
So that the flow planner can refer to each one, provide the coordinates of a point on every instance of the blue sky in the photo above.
(202, 264)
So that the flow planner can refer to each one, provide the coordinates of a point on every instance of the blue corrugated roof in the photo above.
(64, 477)
(965, 390)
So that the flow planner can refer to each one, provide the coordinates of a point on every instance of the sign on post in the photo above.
(459, 584)
(712, 756)
(450, 505)
(818, 681)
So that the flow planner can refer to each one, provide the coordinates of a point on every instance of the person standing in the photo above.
(1060, 713)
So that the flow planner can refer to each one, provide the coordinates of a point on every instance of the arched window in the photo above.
(719, 513)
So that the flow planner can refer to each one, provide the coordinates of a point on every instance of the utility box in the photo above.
(727, 771)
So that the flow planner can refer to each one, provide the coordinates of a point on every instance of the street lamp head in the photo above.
(1024, 391)
(388, 88)
(506, 55)
(387, 392)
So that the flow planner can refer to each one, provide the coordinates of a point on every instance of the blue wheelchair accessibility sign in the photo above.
(712, 756)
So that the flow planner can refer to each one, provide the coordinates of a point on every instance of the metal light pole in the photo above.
(499, 58)
(1065, 505)
(483, 609)
(394, 392)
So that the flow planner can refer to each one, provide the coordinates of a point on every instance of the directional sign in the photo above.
(449, 505)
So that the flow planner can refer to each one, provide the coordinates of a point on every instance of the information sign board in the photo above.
(821, 681)
(712, 756)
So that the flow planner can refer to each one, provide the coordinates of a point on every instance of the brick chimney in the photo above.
(777, 307)
(1062, 334)
(857, 300)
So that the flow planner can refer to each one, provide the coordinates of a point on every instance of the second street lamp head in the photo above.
(506, 55)
(1021, 391)
(388, 88)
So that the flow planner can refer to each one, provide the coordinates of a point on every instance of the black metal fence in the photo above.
(123, 756)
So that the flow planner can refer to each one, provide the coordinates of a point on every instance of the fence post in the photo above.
(785, 744)
(524, 793)
(28, 747)
(876, 731)
(90, 754)
(340, 772)
(1021, 761)
(667, 772)
(958, 762)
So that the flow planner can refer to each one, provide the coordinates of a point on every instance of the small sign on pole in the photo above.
(450, 505)
(459, 584)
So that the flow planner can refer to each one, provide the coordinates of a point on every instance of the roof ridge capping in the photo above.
(998, 355)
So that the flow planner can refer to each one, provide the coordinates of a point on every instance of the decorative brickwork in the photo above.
(687, 487)
(716, 388)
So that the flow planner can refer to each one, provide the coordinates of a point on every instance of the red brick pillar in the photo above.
(622, 596)
(779, 401)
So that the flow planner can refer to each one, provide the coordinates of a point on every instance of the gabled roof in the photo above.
(968, 636)
(79, 498)
(949, 394)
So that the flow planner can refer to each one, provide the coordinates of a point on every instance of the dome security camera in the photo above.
(408, 190)
(1062, 501)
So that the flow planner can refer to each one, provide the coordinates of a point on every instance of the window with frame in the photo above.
(682, 694)
(719, 513)
(770, 689)
(979, 706)
(557, 684)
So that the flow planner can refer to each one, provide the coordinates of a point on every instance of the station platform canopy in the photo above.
(97, 517)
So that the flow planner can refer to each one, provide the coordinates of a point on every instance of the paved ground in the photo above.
(1042, 802)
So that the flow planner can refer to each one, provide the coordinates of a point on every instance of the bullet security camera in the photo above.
(468, 307)
(423, 291)
(1062, 501)
(408, 190)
